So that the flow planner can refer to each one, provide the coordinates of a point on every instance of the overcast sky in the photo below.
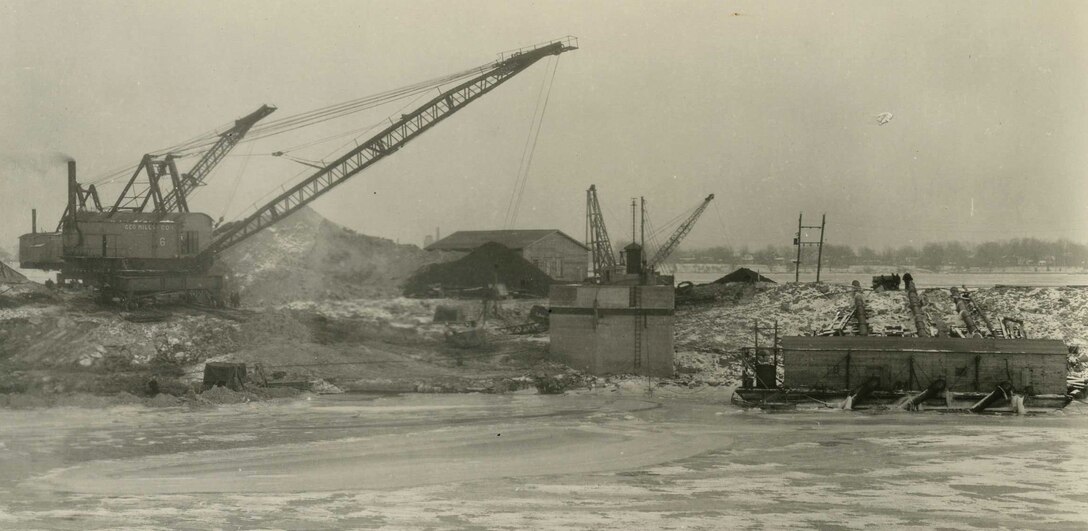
(775, 108)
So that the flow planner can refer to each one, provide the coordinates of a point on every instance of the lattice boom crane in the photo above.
(597, 236)
(149, 245)
(387, 142)
(681, 232)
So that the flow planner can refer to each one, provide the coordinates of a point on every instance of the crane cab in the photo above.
(137, 236)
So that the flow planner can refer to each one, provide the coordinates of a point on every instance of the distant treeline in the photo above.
(1008, 253)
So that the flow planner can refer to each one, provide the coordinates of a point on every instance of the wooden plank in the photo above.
(925, 344)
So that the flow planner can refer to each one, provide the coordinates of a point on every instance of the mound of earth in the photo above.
(307, 257)
(9, 275)
(743, 275)
(491, 262)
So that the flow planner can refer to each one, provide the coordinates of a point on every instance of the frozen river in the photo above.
(594, 460)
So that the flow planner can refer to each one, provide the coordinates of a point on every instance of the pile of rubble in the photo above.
(52, 336)
(489, 264)
(726, 326)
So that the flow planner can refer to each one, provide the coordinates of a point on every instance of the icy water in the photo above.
(923, 280)
(591, 461)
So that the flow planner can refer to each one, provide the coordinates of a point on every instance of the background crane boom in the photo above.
(682, 231)
(597, 236)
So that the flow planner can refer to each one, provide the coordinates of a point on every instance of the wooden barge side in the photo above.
(947, 374)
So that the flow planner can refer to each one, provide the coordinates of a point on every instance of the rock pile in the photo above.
(307, 257)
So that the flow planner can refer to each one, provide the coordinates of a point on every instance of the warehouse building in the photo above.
(563, 258)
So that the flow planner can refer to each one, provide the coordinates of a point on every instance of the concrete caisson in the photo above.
(613, 329)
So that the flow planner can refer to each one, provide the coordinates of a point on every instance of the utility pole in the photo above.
(820, 246)
(798, 240)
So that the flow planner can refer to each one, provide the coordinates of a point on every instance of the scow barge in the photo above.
(913, 373)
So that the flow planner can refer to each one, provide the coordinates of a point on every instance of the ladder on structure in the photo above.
(636, 303)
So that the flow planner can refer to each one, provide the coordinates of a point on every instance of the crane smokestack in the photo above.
(33, 221)
(73, 188)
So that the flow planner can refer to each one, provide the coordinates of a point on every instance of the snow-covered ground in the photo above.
(1047, 312)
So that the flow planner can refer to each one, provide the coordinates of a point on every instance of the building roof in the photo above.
(139, 217)
(467, 240)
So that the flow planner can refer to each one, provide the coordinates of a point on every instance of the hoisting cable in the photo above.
(653, 243)
(323, 114)
(300, 160)
(668, 226)
(358, 133)
(111, 176)
(311, 164)
(674, 221)
(199, 144)
(526, 163)
(339, 110)
(237, 182)
(524, 153)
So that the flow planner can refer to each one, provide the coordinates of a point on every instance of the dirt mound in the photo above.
(743, 275)
(10, 276)
(307, 257)
(488, 263)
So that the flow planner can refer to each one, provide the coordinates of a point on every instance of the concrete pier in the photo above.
(613, 329)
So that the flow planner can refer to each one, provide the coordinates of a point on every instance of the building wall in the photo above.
(559, 257)
(1035, 365)
(593, 328)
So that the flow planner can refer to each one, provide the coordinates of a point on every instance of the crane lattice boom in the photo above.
(176, 199)
(597, 235)
(136, 196)
(388, 141)
(681, 232)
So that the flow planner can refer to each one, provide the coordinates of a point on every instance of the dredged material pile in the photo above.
(489, 263)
